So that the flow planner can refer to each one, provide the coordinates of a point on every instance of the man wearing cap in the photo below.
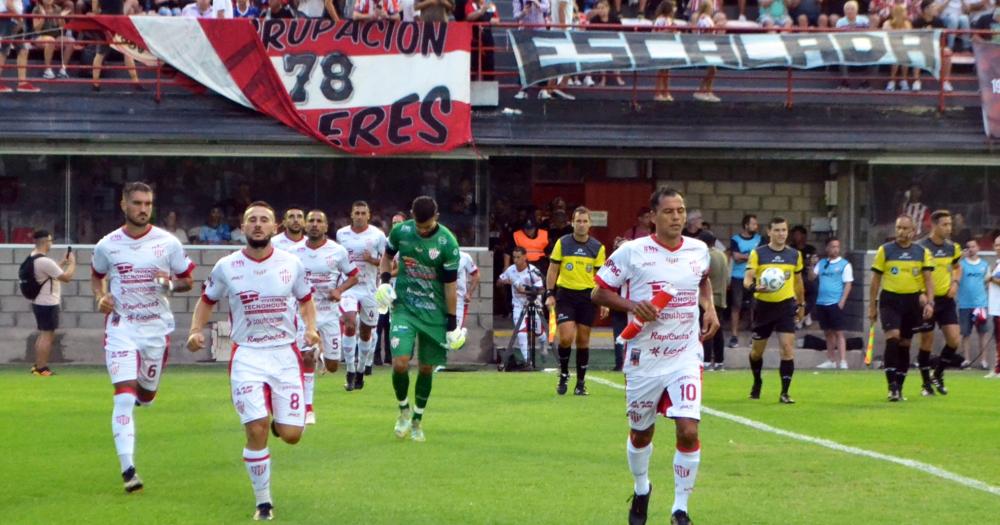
(534, 241)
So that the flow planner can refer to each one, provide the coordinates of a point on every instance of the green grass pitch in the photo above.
(501, 449)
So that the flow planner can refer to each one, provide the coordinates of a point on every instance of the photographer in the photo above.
(45, 296)
(525, 281)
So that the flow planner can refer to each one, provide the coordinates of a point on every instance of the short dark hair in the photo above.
(294, 207)
(707, 237)
(519, 249)
(831, 239)
(40, 234)
(581, 209)
(360, 204)
(746, 219)
(777, 220)
(799, 228)
(315, 210)
(131, 187)
(939, 214)
(258, 204)
(424, 208)
(654, 199)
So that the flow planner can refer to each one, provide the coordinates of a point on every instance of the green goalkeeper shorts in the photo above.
(430, 341)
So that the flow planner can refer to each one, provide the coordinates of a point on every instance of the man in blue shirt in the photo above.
(972, 296)
(214, 231)
(740, 246)
(836, 277)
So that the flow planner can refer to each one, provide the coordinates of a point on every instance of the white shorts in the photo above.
(329, 338)
(130, 357)
(268, 380)
(518, 309)
(675, 394)
(364, 305)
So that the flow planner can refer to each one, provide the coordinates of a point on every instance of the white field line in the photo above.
(833, 445)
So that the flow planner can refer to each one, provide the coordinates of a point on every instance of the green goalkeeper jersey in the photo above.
(423, 263)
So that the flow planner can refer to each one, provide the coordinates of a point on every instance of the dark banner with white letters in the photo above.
(542, 54)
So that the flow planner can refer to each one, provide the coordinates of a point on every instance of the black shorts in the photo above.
(574, 306)
(46, 316)
(773, 317)
(830, 316)
(740, 297)
(900, 312)
(945, 313)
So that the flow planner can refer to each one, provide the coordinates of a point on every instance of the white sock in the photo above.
(258, 464)
(638, 463)
(309, 380)
(366, 352)
(685, 472)
(372, 349)
(123, 428)
(350, 350)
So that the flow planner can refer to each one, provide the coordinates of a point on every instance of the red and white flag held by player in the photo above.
(372, 88)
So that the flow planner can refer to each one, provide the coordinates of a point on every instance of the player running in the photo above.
(424, 305)
(570, 281)
(331, 273)
(365, 244)
(946, 256)
(775, 310)
(903, 270)
(664, 361)
(263, 285)
(293, 235)
(130, 278)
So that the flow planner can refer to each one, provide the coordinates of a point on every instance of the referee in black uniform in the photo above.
(575, 259)
(903, 270)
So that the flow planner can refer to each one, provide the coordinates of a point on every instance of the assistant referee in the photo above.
(903, 270)
(575, 260)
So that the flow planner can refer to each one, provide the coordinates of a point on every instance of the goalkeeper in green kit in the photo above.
(423, 306)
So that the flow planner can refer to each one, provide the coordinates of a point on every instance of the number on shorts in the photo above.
(689, 392)
(294, 404)
(151, 371)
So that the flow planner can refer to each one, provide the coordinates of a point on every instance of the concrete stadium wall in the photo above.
(81, 333)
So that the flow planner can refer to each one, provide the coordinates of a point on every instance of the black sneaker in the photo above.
(927, 390)
(784, 399)
(349, 385)
(264, 512)
(640, 505)
(733, 342)
(755, 390)
(581, 389)
(938, 383)
(359, 381)
(680, 517)
(132, 481)
(561, 387)
(368, 370)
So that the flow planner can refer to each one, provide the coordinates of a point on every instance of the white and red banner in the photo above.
(368, 88)
(988, 70)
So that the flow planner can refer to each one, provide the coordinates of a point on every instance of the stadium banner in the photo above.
(545, 54)
(988, 70)
(367, 88)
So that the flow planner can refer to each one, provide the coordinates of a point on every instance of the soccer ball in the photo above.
(771, 280)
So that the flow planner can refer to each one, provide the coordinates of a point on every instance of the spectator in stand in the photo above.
(376, 10)
(917, 211)
(434, 10)
(245, 9)
(535, 242)
(277, 9)
(988, 22)
(897, 22)
(215, 231)
(973, 303)
(318, 9)
(994, 309)
(478, 11)
(809, 13)
(46, 304)
(982, 13)
(50, 31)
(695, 223)
(836, 277)
(111, 7)
(718, 274)
(880, 11)
(603, 14)
(929, 20)
(851, 18)
(171, 224)
(740, 246)
(222, 8)
(773, 13)
(199, 9)
(702, 18)
(954, 15)
(13, 29)
(833, 9)
(663, 18)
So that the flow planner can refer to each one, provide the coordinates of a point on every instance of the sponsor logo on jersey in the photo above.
(442, 241)
(894, 270)
(610, 265)
(248, 296)
(238, 263)
(669, 336)
(651, 249)
(123, 268)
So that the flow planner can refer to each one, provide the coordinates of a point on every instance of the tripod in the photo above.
(530, 315)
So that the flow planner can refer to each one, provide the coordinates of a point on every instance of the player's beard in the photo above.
(314, 238)
(258, 244)
(137, 221)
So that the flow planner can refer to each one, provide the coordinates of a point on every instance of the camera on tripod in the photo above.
(533, 292)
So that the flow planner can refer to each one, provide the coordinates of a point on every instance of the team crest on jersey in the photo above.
(240, 407)
(115, 367)
(696, 268)
(159, 250)
(249, 296)
(433, 253)
(394, 342)
(286, 276)
(123, 268)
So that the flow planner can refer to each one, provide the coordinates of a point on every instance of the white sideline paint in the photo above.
(833, 445)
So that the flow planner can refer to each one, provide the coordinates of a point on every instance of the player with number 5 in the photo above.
(263, 286)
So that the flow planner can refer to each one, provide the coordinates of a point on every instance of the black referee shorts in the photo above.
(945, 313)
(900, 312)
(773, 317)
(574, 306)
